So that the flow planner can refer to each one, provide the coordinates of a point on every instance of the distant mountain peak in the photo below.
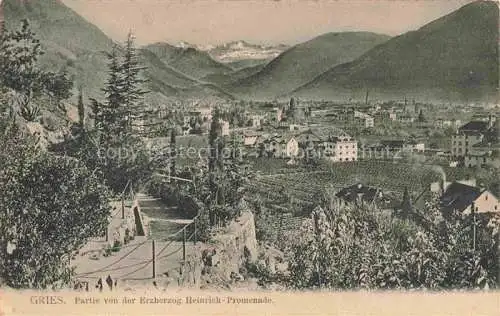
(243, 50)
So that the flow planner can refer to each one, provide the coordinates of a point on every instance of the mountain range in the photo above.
(453, 57)
(303, 62)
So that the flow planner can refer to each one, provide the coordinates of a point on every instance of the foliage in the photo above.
(112, 146)
(351, 247)
(50, 205)
(19, 71)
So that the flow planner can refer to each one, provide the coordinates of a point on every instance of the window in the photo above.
(496, 207)
(486, 197)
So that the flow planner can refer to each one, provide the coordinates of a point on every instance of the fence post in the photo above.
(194, 235)
(184, 244)
(154, 259)
(123, 207)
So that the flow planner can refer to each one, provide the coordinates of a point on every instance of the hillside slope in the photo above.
(452, 58)
(76, 46)
(190, 61)
(301, 63)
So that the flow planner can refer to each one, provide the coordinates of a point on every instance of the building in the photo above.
(369, 121)
(280, 114)
(223, 128)
(360, 194)
(250, 138)
(281, 147)
(256, 120)
(439, 123)
(406, 118)
(291, 147)
(339, 148)
(463, 198)
(468, 135)
(363, 119)
(205, 113)
(481, 154)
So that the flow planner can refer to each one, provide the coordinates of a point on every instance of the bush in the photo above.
(51, 205)
(117, 245)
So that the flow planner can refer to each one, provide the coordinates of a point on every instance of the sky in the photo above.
(212, 22)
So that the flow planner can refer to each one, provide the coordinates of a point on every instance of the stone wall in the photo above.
(229, 250)
(132, 223)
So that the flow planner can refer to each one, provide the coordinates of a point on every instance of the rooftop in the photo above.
(476, 126)
(459, 196)
(353, 192)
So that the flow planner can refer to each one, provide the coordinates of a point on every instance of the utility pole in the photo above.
(154, 259)
(123, 207)
(194, 236)
(184, 245)
(498, 260)
(473, 227)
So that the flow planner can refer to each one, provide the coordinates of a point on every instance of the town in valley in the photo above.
(353, 160)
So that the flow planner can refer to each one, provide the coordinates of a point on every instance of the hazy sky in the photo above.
(258, 21)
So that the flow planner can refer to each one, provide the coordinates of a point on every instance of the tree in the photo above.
(123, 156)
(406, 206)
(132, 91)
(81, 111)
(113, 114)
(19, 71)
(421, 117)
(50, 206)
(311, 158)
(291, 109)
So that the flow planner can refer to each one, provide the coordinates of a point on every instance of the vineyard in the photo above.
(289, 194)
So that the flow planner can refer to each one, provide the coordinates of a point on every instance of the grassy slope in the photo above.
(76, 46)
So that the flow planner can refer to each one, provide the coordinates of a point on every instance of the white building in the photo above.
(369, 121)
(250, 139)
(257, 121)
(223, 128)
(340, 148)
(292, 147)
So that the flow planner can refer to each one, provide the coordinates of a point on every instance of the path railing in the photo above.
(171, 248)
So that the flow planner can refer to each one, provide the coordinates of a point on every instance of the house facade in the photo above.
(468, 135)
(464, 198)
(282, 147)
(480, 154)
(339, 148)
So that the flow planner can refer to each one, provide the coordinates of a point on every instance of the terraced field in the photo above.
(289, 194)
